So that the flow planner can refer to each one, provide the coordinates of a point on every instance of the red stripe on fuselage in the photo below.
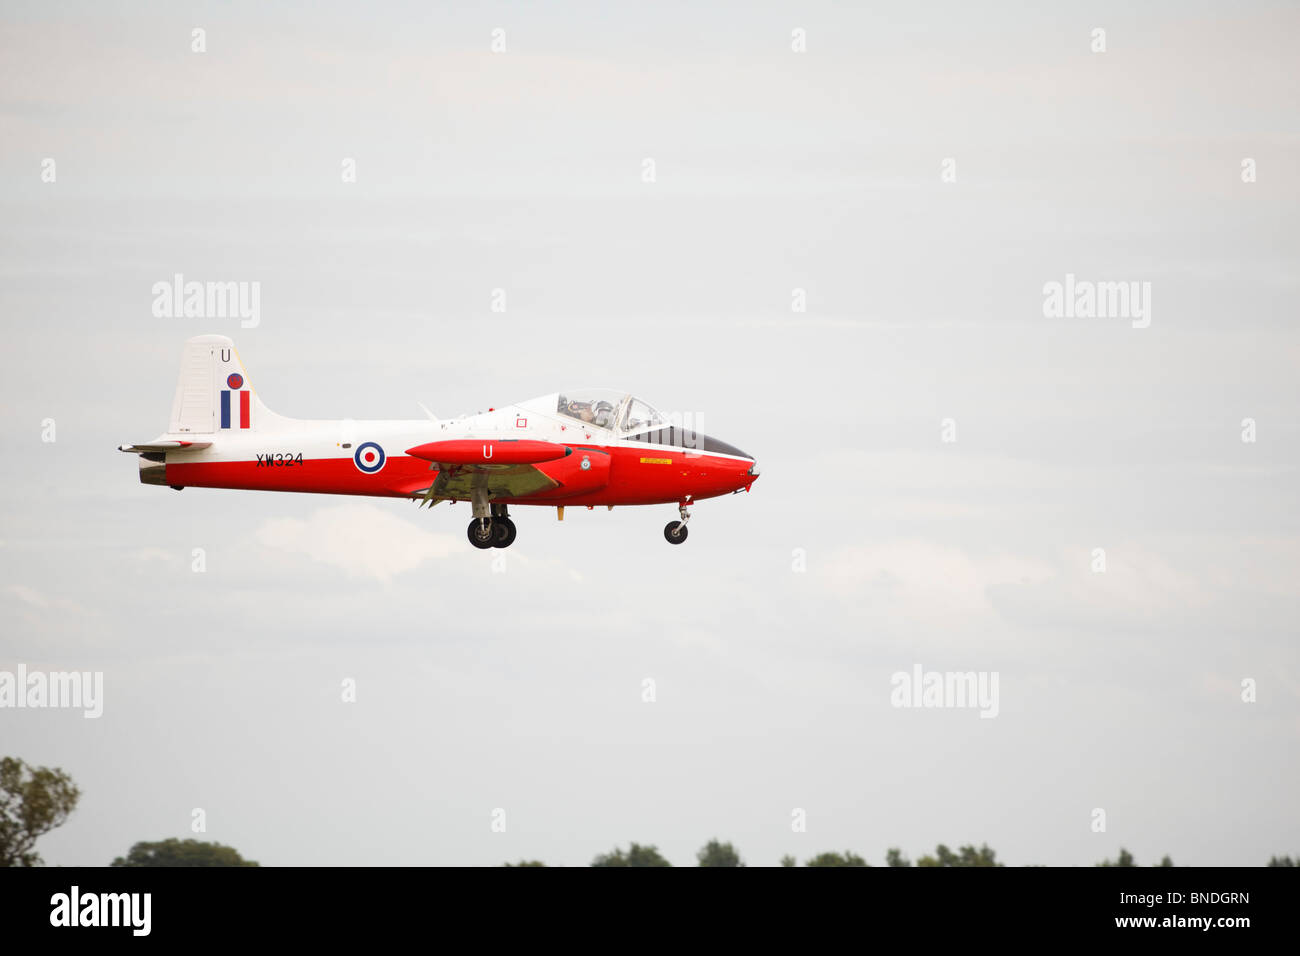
(670, 475)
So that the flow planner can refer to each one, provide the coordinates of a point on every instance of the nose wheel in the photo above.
(675, 531)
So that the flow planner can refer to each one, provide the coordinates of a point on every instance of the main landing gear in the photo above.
(504, 532)
(675, 531)
(497, 531)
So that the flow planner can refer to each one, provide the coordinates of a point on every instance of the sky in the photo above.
(836, 259)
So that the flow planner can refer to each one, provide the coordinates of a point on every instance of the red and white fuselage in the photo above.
(583, 447)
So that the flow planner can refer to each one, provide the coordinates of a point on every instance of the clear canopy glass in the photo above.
(609, 409)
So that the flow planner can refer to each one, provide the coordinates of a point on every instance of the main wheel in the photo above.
(481, 533)
(675, 532)
(503, 532)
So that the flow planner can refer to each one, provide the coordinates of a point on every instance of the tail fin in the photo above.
(214, 393)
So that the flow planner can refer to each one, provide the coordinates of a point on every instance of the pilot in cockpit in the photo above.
(581, 411)
(595, 412)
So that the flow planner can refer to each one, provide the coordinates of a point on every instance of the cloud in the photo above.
(28, 595)
(1166, 586)
(359, 538)
(148, 554)
(1181, 585)
(44, 625)
(924, 580)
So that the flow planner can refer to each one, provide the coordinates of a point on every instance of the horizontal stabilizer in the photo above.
(164, 446)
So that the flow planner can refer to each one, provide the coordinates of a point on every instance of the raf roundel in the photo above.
(235, 381)
(369, 457)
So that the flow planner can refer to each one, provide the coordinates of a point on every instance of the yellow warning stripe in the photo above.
(656, 461)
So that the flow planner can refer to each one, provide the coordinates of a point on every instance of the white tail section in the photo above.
(214, 393)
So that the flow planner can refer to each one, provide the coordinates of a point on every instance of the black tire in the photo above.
(503, 532)
(481, 533)
(675, 532)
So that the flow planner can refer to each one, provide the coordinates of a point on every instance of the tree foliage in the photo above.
(965, 856)
(525, 863)
(636, 855)
(847, 858)
(715, 853)
(1125, 859)
(1281, 861)
(33, 801)
(173, 852)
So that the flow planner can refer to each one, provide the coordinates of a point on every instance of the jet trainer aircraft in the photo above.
(582, 447)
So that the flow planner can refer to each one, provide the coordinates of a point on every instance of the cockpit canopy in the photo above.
(610, 409)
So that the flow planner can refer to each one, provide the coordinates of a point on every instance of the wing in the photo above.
(508, 468)
(502, 481)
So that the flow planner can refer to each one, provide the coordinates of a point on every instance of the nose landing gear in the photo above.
(675, 531)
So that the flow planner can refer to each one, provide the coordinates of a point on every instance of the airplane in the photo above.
(573, 448)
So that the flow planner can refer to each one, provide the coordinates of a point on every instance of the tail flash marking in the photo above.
(245, 408)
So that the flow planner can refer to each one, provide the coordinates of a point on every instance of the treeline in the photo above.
(36, 800)
(717, 853)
